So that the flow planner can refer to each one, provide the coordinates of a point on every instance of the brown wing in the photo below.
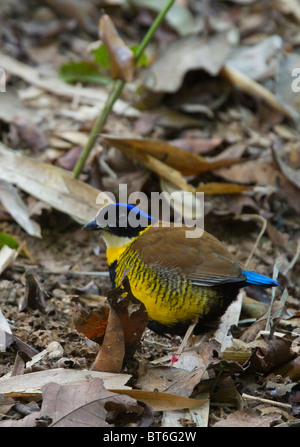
(204, 260)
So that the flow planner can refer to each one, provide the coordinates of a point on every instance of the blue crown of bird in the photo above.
(179, 279)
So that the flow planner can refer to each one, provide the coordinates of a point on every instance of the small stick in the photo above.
(266, 401)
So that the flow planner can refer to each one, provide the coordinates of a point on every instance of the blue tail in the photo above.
(259, 280)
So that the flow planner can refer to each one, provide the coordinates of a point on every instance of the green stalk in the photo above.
(115, 92)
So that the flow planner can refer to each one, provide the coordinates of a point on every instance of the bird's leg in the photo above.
(183, 344)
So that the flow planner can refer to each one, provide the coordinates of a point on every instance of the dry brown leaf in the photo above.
(78, 405)
(177, 381)
(68, 161)
(292, 175)
(221, 188)
(121, 59)
(30, 384)
(34, 294)
(290, 369)
(197, 145)
(162, 401)
(30, 133)
(131, 313)
(276, 353)
(112, 351)
(166, 74)
(50, 184)
(185, 162)
(246, 418)
(161, 169)
(92, 324)
(258, 172)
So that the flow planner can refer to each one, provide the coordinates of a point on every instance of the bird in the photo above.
(182, 282)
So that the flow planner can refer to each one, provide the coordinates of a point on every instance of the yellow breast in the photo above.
(167, 297)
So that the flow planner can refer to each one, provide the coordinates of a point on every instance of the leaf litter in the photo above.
(212, 110)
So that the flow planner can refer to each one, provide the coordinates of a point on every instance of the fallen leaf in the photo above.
(194, 53)
(34, 294)
(79, 405)
(258, 172)
(162, 401)
(30, 133)
(112, 351)
(53, 185)
(68, 161)
(92, 324)
(126, 323)
(17, 208)
(289, 369)
(264, 360)
(259, 61)
(185, 162)
(5, 333)
(178, 17)
(222, 188)
(177, 381)
(7, 257)
(292, 175)
(243, 82)
(30, 384)
(121, 59)
(197, 145)
(20, 362)
(56, 86)
(246, 418)
(131, 313)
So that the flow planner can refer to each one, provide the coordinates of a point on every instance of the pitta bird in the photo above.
(179, 279)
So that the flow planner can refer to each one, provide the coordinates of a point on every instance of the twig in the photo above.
(266, 401)
(293, 261)
(22, 268)
(264, 226)
(275, 275)
(115, 92)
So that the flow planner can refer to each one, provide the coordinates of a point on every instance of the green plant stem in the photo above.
(114, 94)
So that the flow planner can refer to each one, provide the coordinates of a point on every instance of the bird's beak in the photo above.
(91, 226)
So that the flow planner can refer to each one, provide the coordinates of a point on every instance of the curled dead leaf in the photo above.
(266, 359)
(132, 314)
(112, 351)
(92, 324)
(34, 295)
(121, 58)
